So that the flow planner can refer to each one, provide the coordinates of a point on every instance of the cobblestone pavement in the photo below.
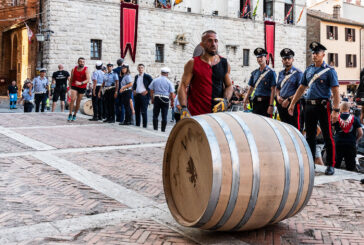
(95, 183)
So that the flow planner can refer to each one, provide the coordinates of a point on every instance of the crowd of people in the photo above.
(308, 100)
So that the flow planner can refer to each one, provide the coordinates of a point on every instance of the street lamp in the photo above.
(40, 37)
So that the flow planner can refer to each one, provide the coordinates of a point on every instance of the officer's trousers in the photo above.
(110, 101)
(320, 113)
(97, 104)
(40, 98)
(348, 153)
(28, 107)
(293, 120)
(160, 105)
(260, 106)
(125, 102)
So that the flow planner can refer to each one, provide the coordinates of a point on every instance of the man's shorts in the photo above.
(59, 92)
(79, 90)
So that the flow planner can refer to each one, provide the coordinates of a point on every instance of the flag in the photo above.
(255, 9)
(177, 2)
(30, 33)
(164, 3)
(299, 18)
(289, 13)
(246, 8)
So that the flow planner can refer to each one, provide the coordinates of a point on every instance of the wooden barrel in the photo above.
(86, 107)
(236, 171)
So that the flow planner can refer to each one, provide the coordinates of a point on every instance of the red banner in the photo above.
(270, 40)
(128, 29)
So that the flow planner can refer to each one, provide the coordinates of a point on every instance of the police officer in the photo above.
(110, 84)
(288, 83)
(320, 79)
(161, 91)
(97, 80)
(262, 82)
(40, 86)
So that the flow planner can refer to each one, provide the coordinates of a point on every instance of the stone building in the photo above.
(349, 9)
(91, 29)
(18, 56)
(342, 38)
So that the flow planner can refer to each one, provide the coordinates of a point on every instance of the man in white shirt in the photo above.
(141, 95)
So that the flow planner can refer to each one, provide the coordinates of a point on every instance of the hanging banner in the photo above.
(128, 29)
(270, 40)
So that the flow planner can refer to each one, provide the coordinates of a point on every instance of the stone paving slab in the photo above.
(134, 232)
(8, 145)
(136, 169)
(334, 215)
(92, 136)
(32, 192)
(11, 120)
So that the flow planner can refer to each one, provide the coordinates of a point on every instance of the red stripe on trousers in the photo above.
(298, 116)
(330, 131)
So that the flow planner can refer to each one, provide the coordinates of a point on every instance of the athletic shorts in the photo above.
(79, 90)
(59, 92)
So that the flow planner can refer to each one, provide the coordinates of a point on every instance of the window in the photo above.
(130, 1)
(246, 57)
(349, 35)
(96, 49)
(189, 10)
(333, 59)
(268, 10)
(288, 12)
(159, 53)
(331, 32)
(350, 60)
(165, 4)
(245, 9)
(17, 2)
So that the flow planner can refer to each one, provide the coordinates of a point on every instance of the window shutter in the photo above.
(335, 32)
(354, 62)
(346, 34)
(353, 35)
(347, 60)
(336, 60)
(328, 32)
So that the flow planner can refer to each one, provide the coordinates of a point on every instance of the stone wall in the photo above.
(81, 21)
(313, 34)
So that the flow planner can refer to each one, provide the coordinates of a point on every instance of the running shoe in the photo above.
(74, 118)
(69, 118)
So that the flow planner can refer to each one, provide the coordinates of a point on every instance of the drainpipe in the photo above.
(40, 29)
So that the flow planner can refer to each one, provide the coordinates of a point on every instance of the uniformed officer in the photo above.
(161, 91)
(97, 80)
(40, 86)
(320, 79)
(110, 84)
(262, 82)
(288, 83)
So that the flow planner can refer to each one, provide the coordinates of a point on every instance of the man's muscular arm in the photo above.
(186, 79)
(228, 85)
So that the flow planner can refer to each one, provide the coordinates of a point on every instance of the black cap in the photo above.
(125, 65)
(287, 53)
(316, 47)
(108, 65)
(259, 52)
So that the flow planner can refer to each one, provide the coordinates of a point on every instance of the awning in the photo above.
(349, 82)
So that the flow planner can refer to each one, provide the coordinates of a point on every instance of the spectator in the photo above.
(13, 94)
(348, 133)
